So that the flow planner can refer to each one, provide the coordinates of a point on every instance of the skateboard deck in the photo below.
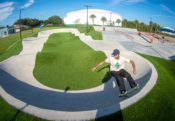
(129, 92)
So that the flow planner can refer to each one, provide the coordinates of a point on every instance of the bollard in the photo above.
(151, 41)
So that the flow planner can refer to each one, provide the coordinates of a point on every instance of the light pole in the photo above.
(110, 19)
(151, 24)
(87, 6)
(20, 23)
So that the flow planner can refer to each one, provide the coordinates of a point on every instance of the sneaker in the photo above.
(136, 87)
(124, 92)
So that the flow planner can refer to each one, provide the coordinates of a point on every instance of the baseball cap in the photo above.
(115, 52)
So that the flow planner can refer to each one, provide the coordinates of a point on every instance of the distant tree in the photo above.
(136, 22)
(55, 20)
(130, 24)
(118, 21)
(155, 27)
(41, 21)
(103, 19)
(33, 23)
(29, 22)
(150, 24)
(21, 21)
(92, 16)
(124, 22)
(142, 26)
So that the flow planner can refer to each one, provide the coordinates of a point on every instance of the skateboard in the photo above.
(129, 92)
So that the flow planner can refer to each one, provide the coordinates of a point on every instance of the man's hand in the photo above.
(134, 72)
(133, 65)
(101, 63)
(93, 69)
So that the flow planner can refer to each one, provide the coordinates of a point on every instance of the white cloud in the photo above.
(6, 4)
(6, 9)
(167, 9)
(30, 2)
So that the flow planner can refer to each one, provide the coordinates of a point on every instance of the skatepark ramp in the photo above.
(21, 90)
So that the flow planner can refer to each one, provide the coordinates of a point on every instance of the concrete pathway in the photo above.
(129, 39)
(20, 89)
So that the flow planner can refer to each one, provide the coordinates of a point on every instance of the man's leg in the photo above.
(119, 80)
(131, 81)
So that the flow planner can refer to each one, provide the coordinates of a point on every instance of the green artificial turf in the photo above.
(9, 113)
(159, 104)
(12, 45)
(65, 62)
(94, 34)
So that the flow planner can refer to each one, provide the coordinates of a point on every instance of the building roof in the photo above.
(168, 28)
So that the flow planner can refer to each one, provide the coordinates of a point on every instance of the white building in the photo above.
(168, 30)
(80, 17)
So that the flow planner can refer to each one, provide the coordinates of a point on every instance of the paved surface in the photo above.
(20, 89)
(129, 39)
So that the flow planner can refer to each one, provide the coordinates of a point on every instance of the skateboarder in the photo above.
(117, 70)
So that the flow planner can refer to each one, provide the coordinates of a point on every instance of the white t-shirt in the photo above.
(117, 64)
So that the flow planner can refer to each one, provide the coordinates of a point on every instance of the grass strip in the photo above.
(91, 32)
(12, 45)
(159, 104)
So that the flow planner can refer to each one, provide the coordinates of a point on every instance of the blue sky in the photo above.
(160, 11)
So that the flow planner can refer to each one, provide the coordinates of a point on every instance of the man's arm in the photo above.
(133, 66)
(101, 63)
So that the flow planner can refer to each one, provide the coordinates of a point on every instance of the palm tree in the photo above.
(103, 19)
(92, 16)
(118, 21)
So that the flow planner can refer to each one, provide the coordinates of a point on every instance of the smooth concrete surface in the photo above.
(130, 39)
(20, 89)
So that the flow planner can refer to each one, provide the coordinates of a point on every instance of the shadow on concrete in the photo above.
(107, 75)
(172, 57)
(61, 101)
(18, 112)
(113, 117)
(115, 113)
(54, 100)
(67, 88)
